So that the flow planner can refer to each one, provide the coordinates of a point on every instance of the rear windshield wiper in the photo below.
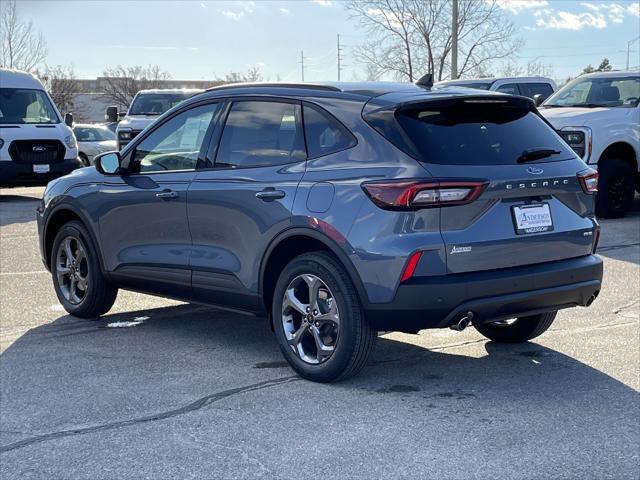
(536, 154)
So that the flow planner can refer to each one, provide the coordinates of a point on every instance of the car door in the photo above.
(144, 228)
(245, 198)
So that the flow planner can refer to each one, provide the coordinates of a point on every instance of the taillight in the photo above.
(588, 180)
(410, 267)
(415, 194)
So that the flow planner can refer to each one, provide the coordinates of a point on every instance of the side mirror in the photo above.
(68, 119)
(108, 163)
(111, 114)
(538, 99)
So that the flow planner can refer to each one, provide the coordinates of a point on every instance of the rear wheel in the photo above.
(616, 188)
(318, 319)
(78, 281)
(517, 330)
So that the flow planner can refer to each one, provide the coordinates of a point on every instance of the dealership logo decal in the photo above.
(459, 250)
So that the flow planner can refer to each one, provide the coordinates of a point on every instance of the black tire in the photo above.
(521, 330)
(85, 161)
(99, 295)
(616, 188)
(355, 337)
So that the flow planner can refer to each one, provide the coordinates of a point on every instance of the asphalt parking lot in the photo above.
(160, 389)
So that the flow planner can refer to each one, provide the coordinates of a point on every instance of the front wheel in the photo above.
(517, 330)
(616, 188)
(318, 319)
(78, 281)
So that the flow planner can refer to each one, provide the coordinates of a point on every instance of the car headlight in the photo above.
(124, 134)
(70, 141)
(579, 139)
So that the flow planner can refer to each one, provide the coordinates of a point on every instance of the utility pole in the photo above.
(302, 63)
(339, 58)
(629, 43)
(454, 41)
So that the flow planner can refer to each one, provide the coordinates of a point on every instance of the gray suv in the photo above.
(336, 211)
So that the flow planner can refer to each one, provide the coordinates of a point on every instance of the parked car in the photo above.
(598, 115)
(337, 211)
(93, 139)
(145, 108)
(35, 145)
(525, 86)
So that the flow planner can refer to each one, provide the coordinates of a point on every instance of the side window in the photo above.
(324, 133)
(261, 134)
(510, 88)
(531, 89)
(175, 145)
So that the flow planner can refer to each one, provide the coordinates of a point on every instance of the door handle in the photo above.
(270, 194)
(167, 194)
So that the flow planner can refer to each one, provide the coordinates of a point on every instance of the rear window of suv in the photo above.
(469, 132)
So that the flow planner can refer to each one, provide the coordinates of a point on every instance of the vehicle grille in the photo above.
(37, 151)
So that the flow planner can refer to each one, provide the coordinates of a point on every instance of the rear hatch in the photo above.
(532, 208)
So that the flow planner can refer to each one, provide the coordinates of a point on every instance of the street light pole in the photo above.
(454, 41)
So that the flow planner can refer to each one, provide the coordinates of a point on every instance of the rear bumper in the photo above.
(437, 302)
(15, 174)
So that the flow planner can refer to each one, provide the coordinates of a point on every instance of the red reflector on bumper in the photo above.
(410, 268)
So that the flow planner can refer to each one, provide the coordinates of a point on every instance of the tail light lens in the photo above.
(589, 181)
(415, 194)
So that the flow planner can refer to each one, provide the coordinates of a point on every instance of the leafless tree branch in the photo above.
(21, 47)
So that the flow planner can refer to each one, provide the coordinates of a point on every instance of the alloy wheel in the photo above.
(310, 319)
(72, 270)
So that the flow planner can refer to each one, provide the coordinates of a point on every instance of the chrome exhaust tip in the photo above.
(463, 322)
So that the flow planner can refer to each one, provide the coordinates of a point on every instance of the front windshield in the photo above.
(156, 103)
(23, 105)
(93, 134)
(621, 92)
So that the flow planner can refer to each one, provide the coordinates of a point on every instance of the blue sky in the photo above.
(205, 39)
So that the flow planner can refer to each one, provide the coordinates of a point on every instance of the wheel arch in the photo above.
(296, 241)
(620, 150)
(61, 215)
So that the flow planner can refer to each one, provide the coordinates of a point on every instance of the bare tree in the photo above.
(20, 46)
(408, 38)
(62, 84)
(253, 74)
(120, 84)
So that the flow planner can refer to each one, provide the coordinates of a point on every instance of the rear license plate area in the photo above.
(535, 218)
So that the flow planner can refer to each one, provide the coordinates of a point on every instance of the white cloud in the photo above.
(285, 11)
(324, 3)
(614, 11)
(516, 6)
(244, 8)
(560, 20)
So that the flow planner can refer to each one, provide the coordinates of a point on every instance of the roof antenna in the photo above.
(426, 81)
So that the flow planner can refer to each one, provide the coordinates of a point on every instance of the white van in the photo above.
(35, 144)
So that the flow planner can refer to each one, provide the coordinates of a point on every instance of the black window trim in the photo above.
(353, 141)
(515, 84)
(214, 146)
(130, 148)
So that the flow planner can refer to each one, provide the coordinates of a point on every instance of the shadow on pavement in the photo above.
(75, 376)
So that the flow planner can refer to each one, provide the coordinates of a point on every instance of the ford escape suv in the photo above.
(336, 211)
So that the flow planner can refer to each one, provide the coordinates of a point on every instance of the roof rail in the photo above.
(305, 86)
